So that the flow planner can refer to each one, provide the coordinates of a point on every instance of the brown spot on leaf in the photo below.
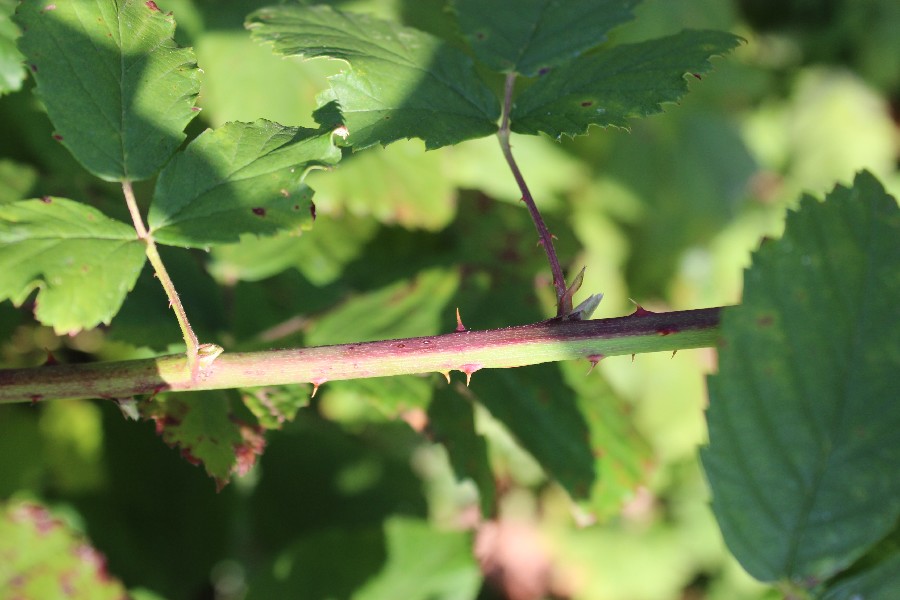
(33, 68)
(57, 137)
(312, 210)
(587, 103)
(258, 211)
(152, 5)
(46, 199)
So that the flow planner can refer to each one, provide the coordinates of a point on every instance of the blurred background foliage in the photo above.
(355, 496)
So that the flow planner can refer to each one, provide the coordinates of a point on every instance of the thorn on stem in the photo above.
(51, 360)
(632, 358)
(594, 359)
(640, 311)
(316, 383)
(446, 375)
(459, 323)
(468, 370)
(674, 352)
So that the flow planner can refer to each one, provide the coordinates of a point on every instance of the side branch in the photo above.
(466, 351)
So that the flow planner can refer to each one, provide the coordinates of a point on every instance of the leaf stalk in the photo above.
(190, 338)
(546, 238)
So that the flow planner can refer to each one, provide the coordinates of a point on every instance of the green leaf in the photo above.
(804, 423)
(609, 87)
(116, 87)
(403, 83)
(540, 410)
(531, 35)
(320, 254)
(404, 309)
(200, 425)
(273, 406)
(424, 564)
(239, 178)
(400, 184)
(330, 563)
(16, 180)
(451, 418)
(621, 454)
(876, 578)
(43, 557)
(82, 262)
(12, 72)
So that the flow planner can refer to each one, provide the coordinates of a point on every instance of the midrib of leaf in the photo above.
(123, 109)
(531, 33)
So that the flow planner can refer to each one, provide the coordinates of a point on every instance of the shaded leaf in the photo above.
(803, 419)
(609, 87)
(531, 35)
(16, 179)
(403, 83)
(239, 178)
(201, 426)
(877, 577)
(338, 478)
(116, 87)
(82, 262)
(43, 557)
(332, 563)
(539, 409)
(424, 564)
(451, 419)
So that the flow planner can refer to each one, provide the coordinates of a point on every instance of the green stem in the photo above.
(190, 338)
(466, 351)
(546, 238)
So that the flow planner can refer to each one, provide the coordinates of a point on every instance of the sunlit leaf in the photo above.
(532, 35)
(44, 557)
(804, 422)
(611, 86)
(12, 72)
(402, 83)
(239, 178)
(424, 564)
(82, 262)
(405, 309)
(117, 88)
